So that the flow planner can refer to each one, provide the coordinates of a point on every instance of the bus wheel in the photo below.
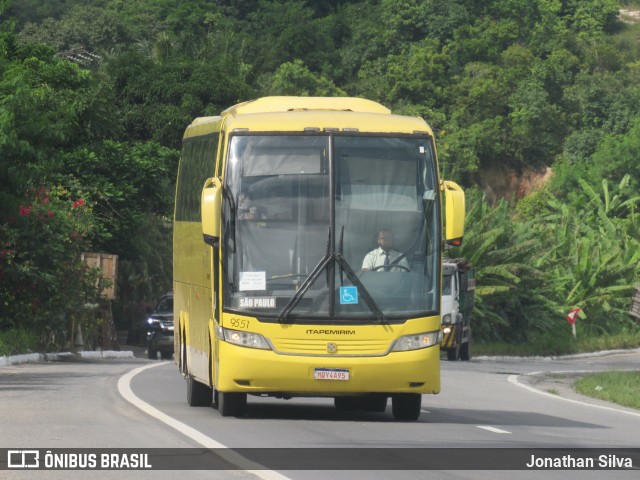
(453, 354)
(232, 404)
(198, 394)
(465, 351)
(406, 406)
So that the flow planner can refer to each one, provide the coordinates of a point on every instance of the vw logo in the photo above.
(332, 348)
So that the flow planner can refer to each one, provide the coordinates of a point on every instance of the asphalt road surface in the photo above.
(495, 404)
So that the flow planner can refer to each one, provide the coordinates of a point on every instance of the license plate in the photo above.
(330, 374)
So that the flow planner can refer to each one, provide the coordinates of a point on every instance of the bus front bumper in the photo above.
(254, 371)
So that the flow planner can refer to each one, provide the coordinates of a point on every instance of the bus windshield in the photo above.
(328, 227)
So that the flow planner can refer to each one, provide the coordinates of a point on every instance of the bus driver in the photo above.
(382, 259)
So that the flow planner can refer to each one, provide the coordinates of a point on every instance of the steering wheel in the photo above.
(406, 269)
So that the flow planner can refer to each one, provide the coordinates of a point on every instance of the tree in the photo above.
(416, 76)
(617, 156)
(287, 31)
(294, 78)
(157, 100)
(44, 225)
(408, 21)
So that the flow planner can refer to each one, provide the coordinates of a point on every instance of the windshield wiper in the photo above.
(340, 250)
(351, 275)
(315, 273)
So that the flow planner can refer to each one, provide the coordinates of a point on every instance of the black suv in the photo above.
(160, 329)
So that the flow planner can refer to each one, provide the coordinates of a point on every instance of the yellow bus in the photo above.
(279, 201)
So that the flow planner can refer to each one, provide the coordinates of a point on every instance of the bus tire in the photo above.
(198, 394)
(406, 406)
(152, 354)
(453, 354)
(465, 351)
(232, 404)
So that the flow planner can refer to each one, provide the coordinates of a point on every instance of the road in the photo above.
(485, 403)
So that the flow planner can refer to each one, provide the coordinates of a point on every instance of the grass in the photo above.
(622, 388)
(552, 344)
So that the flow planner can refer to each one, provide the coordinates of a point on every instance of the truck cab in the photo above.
(458, 285)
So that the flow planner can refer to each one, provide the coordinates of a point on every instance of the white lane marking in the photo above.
(514, 380)
(492, 429)
(124, 387)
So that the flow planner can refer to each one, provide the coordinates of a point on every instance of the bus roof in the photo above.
(298, 114)
(202, 126)
(325, 120)
(287, 104)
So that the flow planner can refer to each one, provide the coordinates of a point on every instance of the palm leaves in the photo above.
(508, 281)
(531, 272)
(599, 243)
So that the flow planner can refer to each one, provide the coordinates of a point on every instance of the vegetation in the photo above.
(560, 342)
(95, 95)
(617, 387)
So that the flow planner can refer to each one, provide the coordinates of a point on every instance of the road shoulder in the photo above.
(560, 384)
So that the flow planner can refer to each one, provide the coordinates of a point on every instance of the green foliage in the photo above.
(617, 155)
(158, 99)
(287, 31)
(85, 27)
(560, 341)
(17, 341)
(127, 182)
(43, 279)
(512, 298)
(618, 387)
(534, 267)
(294, 78)
(596, 253)
(509, 85)
(411, 76)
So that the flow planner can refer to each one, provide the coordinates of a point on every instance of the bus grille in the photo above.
(321, 347)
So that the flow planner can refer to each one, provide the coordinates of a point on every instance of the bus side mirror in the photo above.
(211, 211)
(454, 209)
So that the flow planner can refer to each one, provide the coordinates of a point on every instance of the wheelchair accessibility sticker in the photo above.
(348, 295)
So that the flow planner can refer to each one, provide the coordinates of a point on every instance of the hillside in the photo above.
(534, 104)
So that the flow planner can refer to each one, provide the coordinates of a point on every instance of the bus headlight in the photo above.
(244, 339)
(416, 341)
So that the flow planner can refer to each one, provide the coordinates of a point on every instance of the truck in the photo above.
(458, 286)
